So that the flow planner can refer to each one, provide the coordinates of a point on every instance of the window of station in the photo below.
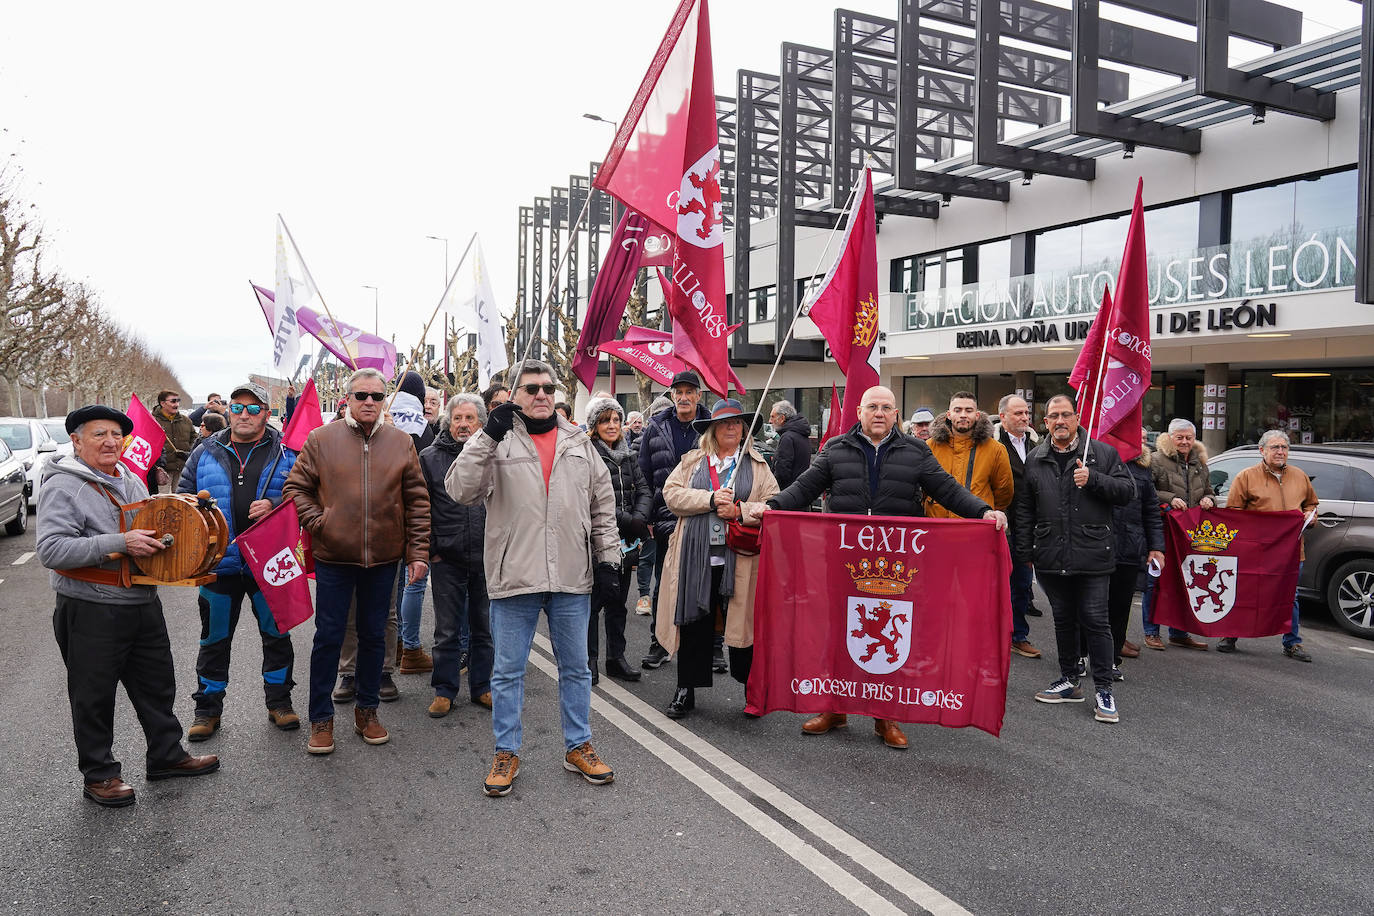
(1294, 207)
(1077, 248)
(933, 392)
(1312, 405)
(928, 271)
(765, 303)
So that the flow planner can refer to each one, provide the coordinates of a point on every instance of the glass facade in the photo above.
(1085, 246)
(1315, 405)
(933, 391)
(1294, 207)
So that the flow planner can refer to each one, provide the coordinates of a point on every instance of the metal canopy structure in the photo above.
(1219, 80)
(1364, 211)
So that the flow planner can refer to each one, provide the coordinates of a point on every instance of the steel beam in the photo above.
(756, 177)
(1364, 212)
(522, 266)
(1219, 80)
(803, 166)
(1257, 20)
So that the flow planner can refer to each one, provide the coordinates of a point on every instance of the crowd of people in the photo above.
(503, 507)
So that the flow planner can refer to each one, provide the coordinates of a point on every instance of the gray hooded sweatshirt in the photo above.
(78, 526)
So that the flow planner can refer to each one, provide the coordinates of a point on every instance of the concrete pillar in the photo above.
(1214, 381)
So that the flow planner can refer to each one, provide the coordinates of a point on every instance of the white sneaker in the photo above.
(643, 607)
(1105, 710)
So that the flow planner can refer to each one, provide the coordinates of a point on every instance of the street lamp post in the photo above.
(375, 311)
(440, 238)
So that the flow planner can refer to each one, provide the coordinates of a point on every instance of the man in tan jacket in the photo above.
(551, 539)
(1274, 485)
(360, 493)
(961, 441)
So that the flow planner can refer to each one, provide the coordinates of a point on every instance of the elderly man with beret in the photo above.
(108, 632)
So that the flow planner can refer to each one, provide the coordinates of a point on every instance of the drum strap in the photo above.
(120, 577)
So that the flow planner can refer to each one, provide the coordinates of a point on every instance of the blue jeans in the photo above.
(1022, 574)
(410, 605)
(461, 608)
(512, 632)
(335, 587)
(1147, 611)
(645, 570)
(1291, 638)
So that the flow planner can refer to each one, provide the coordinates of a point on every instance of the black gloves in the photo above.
(606, 585)
(500, 420)
(636, 527)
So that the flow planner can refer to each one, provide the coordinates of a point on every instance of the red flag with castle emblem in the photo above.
(845, 305)
(906, 620)
(143, 446)
(665, 164)
(277, 552)
(1229, 572)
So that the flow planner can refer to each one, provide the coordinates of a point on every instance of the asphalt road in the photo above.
(1234, 784)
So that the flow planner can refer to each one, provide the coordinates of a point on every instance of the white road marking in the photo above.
(851, 888)
(22, 559)
(1355, 648)
(864, 855)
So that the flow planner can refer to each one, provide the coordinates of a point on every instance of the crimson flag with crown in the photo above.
(906, 620)
(1229, 572)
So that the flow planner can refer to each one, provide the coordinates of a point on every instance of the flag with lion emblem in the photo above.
(897, 618)
(277, 551)
(1229, 572)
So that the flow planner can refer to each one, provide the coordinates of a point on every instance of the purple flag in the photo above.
(610, 293)
(351, 345)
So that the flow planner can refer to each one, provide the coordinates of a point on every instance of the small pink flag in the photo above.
(142, 447)
(305, 419)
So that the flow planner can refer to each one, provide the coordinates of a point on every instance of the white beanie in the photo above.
(597, 406)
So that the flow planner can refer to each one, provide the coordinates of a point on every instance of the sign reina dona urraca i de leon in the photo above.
(1263, 267)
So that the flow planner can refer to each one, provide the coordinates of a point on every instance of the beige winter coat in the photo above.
(538, 541)
(683, 500)
(1174, 478)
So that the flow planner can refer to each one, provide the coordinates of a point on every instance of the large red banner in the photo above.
(1229, 572)
(906, 619)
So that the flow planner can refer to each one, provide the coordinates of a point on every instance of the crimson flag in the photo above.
(305, 419)
(654, 358)
(1083, 377)
(665, 163)
(835, 425)
(1229, 572)
(609, 295)
(896, 618)
(845, 307)
(143, 446)
(277, 552)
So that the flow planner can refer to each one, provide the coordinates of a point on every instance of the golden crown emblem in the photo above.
(1210, 539)
(866, 322)
(880, 576)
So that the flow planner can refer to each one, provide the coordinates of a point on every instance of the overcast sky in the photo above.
(159, 141)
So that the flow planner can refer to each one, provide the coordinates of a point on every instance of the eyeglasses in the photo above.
(880, 408)
(253, 409)
(1060, 416)
(174, 400)
(533, 389)
(377, 396)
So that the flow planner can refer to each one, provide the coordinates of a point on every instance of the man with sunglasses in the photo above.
(244, 468)
(181, 436)
(360, 493)
(551, 539)
(214, 403)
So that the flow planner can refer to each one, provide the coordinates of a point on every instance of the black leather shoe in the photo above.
(683, 702)
(656, 657)
(388, 692)
(1033, 611)
(620, 669)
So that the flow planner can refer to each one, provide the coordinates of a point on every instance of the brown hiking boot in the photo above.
(483, 700)
(504, 768)
(583, 759)
(111, 793)
(440, 707)
(416, 661)
(365, 723)
(321, 737)
(202, 727)
(1129, 649)
(285, 718)
(819, 725)
(1025, 649)
(892, 735)
(1188, 642)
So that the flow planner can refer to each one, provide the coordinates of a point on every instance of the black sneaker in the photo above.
(1033, 611)
(656, 657)
(718, 661)
(1226, 644)
(1297, 652)
(347, 689)
(463, 663)
(1116, 674)
(1083, 667)
(389, 692)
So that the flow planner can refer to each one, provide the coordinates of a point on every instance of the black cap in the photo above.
(98, 412)
(686, 377)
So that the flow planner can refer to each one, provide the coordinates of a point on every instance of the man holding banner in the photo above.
(244, 468)
(875, 470)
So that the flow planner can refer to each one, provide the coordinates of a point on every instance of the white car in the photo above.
(57, 428)
(32, 444)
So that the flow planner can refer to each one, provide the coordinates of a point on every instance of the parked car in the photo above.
(1340, 544)
(57, 428)
(29, 440)
(12, 490)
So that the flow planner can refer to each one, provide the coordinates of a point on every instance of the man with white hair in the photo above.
(1179, 470)
(793, 454)
(360, 493)
(1274, 485)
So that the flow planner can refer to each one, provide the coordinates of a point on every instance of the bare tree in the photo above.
(28, 294)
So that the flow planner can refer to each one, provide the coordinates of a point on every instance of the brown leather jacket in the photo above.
(363, 500)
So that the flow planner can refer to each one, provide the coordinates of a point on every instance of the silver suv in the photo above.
(1340, 545)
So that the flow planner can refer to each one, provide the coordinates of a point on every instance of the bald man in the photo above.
(875, 470)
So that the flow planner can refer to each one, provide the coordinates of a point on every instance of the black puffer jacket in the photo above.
(1064, 529)
(793, 454)
(456, 531)
(1139, 527)
(632, 495)
(660, 451)
(906, 472)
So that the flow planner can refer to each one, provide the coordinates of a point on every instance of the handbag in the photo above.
(739, 537)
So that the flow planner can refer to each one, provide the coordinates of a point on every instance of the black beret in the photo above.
(98, 412)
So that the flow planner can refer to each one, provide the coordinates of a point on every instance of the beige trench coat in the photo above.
(683, 500)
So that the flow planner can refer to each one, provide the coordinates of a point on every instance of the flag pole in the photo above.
(811, 285)
(305, 267)
(558, 268)
(1101, 369)
(424, 335)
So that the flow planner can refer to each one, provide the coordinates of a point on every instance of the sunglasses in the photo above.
(253, 409)
(533, 389)
(378, 396)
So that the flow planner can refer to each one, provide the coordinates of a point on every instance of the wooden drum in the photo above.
(192, 527)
